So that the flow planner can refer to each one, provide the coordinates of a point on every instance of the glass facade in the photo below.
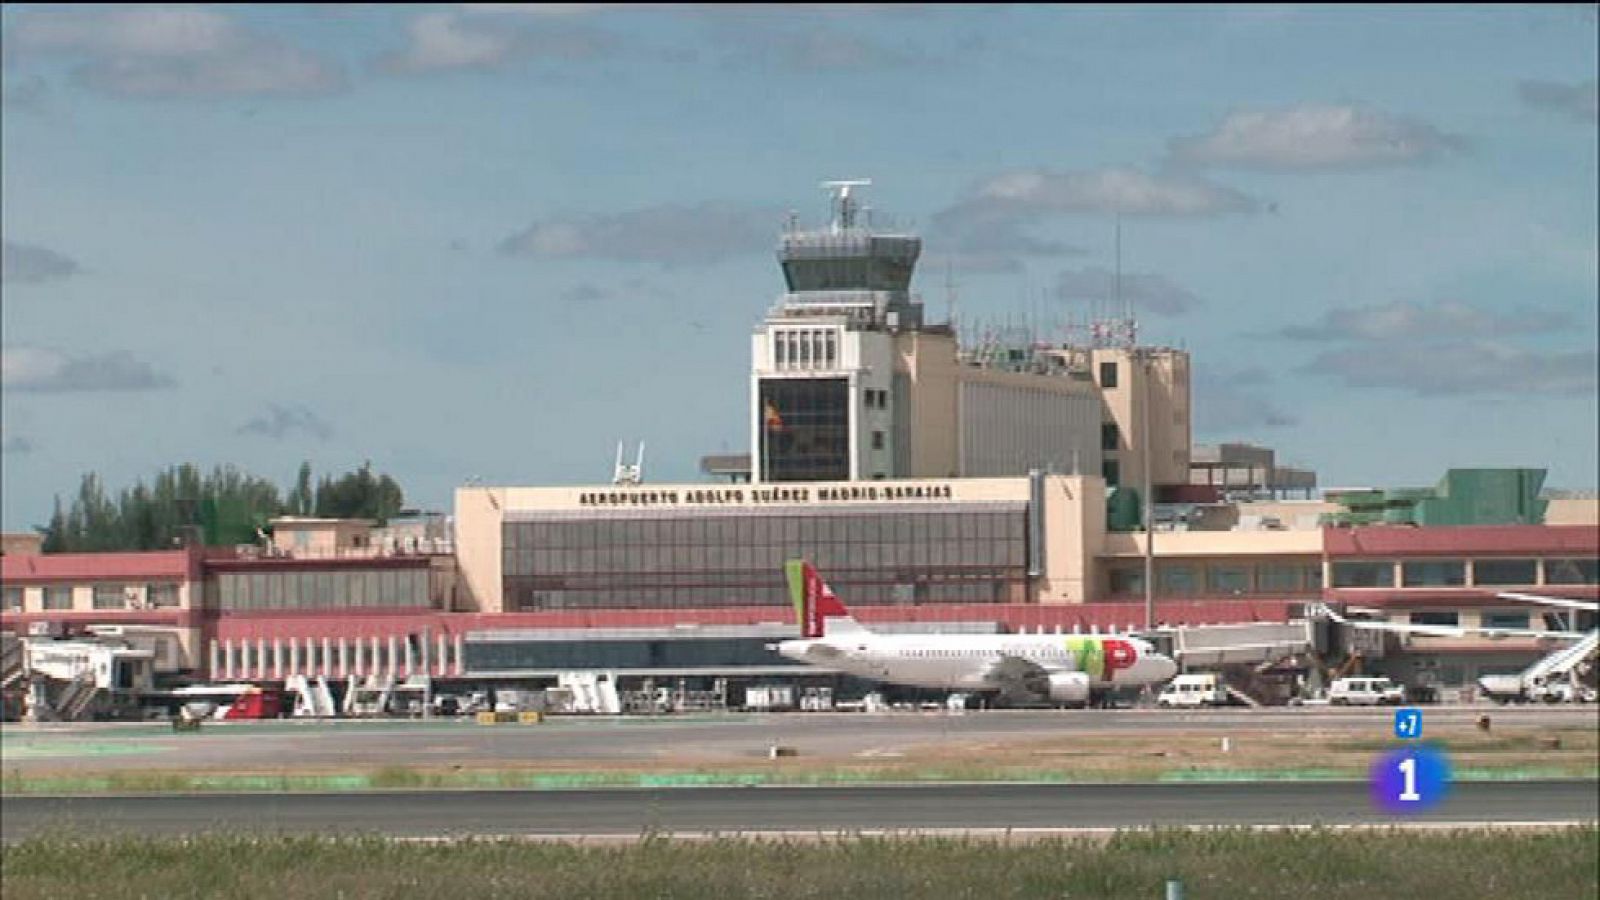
(1220, 578)
(1447, 618)
(488, 656)
(1572, 571)
(805, 429)
(58, 596)
(1435, 573)
(1498, 619)
(883, 555)
(1228, 579)
(1363, 574)
(163, 594)
(1505, 571)
(109, 596)
(322, 589)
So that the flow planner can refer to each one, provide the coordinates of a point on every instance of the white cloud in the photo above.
(38, 369)
(1145, 291)
(541, 9)
(670, 234)
(172, 51)
(442, 41)
(27, 264)
(1581, 101)
(1412, 321)
(1031, 192)
(1460, 368)
(812, 48)
(996, 246)
(1312, 137)
(169, 31)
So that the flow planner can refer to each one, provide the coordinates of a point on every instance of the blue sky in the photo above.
(492, 240)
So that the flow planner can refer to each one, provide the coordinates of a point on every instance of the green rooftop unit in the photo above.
(1462, 497)
(1123, 511)
(1485, 497)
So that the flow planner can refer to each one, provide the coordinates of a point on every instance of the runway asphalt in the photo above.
(819, 809)
(297, 744)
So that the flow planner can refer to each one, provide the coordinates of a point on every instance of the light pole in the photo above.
(1143, 360)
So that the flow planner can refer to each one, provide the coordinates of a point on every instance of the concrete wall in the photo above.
(1167, 391)
(1244, 544)
(21, 544)
(1012, 423)
(1573, 511)
(929, 363)
(1074, 522)
(479, 515)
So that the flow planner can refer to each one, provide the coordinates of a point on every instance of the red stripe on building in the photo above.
(157, 565)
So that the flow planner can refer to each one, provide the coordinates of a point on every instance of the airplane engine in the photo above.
(1069, 687)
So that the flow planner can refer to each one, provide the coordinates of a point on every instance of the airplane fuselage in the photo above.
(968, 662)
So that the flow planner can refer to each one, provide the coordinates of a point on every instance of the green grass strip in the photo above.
(1480, 864)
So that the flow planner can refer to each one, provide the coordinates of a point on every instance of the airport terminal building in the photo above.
(1002, 485)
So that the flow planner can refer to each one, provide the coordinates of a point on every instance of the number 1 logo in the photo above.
(1410, 780)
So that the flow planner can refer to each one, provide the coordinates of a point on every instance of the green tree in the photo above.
(228, 506)
(359, 495)
(301, 500)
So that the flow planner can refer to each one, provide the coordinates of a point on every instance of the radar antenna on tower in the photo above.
(844, 208)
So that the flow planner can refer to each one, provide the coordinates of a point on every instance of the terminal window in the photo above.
(1504, 571)
(1363, 574)
(805, 434)
(1571, 571)
(703, 561)
(58, 596)
(1436, 617)
(1440, 573)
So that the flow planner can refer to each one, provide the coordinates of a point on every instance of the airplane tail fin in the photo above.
(817, 607)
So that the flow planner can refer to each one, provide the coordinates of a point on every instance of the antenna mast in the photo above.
(626, 474)
(844, 208)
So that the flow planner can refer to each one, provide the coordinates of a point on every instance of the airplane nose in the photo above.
(1164, 667)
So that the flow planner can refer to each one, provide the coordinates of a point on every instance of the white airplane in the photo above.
(1068, 669)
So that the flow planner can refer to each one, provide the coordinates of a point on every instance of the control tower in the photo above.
(849, 383)
(822, 382)
(847, 269)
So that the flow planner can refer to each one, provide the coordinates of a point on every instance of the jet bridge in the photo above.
(1253, 644)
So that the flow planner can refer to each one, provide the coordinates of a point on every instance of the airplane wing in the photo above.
(1442, 630)
(1017, 678)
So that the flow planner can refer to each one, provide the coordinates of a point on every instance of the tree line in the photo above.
(226, 506)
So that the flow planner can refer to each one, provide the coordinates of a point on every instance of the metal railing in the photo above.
(420, 548)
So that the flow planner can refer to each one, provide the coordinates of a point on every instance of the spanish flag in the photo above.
(774, 421)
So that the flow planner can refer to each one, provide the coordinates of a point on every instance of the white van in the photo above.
(1193, 690)
(1365, 691)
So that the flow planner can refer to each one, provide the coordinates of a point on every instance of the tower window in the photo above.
(1111, 471)
(778, 348)
(877, 440)
(1108, 374)
(1109, 437)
